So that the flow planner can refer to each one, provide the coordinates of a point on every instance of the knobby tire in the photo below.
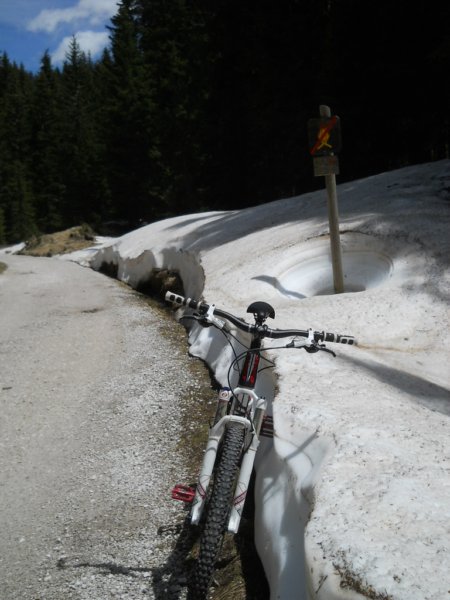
(217, 512)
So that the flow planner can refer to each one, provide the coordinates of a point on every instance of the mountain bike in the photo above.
(239, 423)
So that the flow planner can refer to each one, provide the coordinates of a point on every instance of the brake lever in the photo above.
(325, 349)
(207, 320)
(201, 319)
(315, 347)
(194, 317)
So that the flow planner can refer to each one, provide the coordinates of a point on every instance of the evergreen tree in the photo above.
(103, 124)
(382, 77)
(49, 190)
(176, 50)
(129, 111)
(262, 88)
(17, 194)
(204, 105)
(2, 228)
(16, 199)
(79, 149)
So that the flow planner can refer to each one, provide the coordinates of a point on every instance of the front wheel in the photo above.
(217, 512)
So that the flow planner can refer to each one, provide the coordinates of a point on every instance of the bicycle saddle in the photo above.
(261, 310)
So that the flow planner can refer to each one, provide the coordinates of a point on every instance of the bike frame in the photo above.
(240, 405)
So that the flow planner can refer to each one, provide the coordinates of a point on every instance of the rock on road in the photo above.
(89, 392)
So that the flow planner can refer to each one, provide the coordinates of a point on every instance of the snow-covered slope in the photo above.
(355, 492)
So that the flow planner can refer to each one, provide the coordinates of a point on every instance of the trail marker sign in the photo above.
(324, 136)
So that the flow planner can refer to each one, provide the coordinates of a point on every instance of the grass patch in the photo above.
(60, 242)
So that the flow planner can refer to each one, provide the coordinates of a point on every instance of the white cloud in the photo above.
(92, 42)
(93, 12)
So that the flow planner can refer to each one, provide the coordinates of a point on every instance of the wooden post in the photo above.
(333, 218)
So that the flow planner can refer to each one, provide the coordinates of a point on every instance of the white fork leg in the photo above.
(215, 435)
(209, 459)
(245, 472)
(242, 486)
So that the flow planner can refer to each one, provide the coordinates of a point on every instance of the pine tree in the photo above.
(2, 228)
(78, 148)
(49, 189)
(132, 146)
(16, 190)
(176, 54)
(16, 198)
(204, 105)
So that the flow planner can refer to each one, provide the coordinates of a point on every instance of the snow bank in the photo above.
(12, 249)
(353, 495)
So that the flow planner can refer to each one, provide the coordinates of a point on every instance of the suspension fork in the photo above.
(216, 434)
(256, 405)
(244, 402)
(248, 460)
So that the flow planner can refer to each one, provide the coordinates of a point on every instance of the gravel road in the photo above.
(90, 437)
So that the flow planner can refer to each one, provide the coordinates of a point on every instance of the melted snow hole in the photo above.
(363, 267)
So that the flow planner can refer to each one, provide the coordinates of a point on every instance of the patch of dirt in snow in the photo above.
(60, 242)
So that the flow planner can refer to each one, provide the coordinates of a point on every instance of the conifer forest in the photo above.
(203, 105)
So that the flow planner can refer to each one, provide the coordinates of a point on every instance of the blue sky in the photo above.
(30, 27)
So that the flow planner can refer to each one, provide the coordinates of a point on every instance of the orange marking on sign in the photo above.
(324, 135)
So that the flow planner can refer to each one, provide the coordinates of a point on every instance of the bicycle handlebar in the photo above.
(261, 330)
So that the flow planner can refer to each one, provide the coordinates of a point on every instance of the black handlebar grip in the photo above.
(175, 298)
(338, 339)
(182, 301)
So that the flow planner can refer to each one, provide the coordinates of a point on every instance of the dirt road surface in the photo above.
(89, 430)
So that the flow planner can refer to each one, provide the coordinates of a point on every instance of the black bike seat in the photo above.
(261, 310)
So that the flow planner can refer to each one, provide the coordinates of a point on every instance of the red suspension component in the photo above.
(183, 492)
(250, 370)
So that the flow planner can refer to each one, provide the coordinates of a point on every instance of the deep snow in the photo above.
(355, 491)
